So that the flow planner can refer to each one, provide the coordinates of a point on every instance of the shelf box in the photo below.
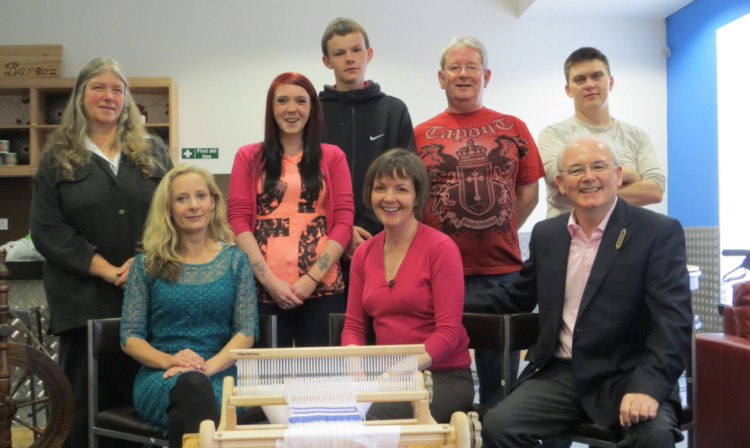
(30, 61)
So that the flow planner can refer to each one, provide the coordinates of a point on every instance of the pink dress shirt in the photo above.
(580, 260)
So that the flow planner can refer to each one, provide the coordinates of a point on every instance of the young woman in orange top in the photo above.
(291, 207)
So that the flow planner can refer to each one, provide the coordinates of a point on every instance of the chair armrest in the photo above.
(267, 331)
(521, 330)
(722, 403)
(485, 331)
(729, 324)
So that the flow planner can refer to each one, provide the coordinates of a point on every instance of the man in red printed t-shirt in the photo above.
(484, 167)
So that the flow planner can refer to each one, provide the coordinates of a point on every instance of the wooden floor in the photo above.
(22, 437)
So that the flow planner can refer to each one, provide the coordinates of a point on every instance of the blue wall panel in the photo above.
(692, 107)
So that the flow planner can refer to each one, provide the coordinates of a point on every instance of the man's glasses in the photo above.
(471, 69)
(580, 170)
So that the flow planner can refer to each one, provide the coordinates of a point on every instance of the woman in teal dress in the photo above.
(190, 298)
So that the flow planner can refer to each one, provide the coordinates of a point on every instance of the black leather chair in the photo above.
(122, 422)
(521, 332)
(484, 330)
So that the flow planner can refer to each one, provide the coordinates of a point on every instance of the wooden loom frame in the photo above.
(464, 431)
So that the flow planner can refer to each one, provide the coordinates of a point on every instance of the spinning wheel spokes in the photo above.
(49, 389)
(53, 395)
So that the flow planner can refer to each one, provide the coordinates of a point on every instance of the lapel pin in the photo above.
(620, 239)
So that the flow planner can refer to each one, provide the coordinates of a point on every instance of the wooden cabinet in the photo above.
(30, 110)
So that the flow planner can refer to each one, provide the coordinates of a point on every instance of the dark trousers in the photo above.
(453, 391)
(306, 325)
(191, 401)
(547, 405)
(74, 360)
(490, 362)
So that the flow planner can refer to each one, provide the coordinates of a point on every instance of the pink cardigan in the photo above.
(422, 305)
(243, 191)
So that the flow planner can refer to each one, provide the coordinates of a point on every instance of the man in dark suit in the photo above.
(615, 314)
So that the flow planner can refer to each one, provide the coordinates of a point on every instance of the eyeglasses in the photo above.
(471, 69)
(580, 170)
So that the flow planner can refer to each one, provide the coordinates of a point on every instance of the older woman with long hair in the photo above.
(292, 209)
(91, 195)
(190, 299)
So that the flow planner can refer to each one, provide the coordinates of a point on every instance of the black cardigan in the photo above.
(72, 219)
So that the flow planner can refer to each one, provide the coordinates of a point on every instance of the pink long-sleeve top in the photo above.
(422, 305)
(243, 191)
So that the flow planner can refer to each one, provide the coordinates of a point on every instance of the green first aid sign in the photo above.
(200, 153)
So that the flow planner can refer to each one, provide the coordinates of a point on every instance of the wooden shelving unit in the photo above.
(29, 109)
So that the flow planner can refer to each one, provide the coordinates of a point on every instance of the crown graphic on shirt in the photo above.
(471, 153)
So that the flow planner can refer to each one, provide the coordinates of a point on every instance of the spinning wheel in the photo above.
(52, 397)
(56, 396)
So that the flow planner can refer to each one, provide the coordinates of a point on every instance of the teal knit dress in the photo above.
(202, 311)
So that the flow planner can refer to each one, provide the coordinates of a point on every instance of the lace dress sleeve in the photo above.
(136, 302)
(245, 316)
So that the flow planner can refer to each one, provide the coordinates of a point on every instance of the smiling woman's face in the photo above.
(393, 201)
(291, 109)
(103, 98)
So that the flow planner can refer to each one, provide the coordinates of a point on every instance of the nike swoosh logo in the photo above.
(376, 137)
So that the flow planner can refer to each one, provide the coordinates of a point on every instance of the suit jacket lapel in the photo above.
(560, 249)
(614, 240)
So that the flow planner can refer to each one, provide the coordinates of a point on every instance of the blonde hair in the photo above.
(67, 146)
(161, 239)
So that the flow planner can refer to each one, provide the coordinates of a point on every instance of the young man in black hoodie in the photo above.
(359, 118)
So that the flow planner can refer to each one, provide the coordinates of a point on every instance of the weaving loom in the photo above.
(324, 392)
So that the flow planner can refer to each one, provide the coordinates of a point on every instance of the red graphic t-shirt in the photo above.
(475, 161)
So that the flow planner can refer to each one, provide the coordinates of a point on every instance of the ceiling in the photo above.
(599, 9)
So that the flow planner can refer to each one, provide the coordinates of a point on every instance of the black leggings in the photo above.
(191, 401)
(307, 325)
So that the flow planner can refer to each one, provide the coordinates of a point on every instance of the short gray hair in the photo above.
(465, 41)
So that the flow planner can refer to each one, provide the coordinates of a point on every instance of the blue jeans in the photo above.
(490, 362)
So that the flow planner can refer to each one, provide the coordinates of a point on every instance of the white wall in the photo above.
(733, 93)
(223, 54)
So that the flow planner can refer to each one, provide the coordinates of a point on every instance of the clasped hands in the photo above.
(184, 361)
(289, 296)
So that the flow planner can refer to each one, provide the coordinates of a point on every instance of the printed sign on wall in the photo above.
(200, 153)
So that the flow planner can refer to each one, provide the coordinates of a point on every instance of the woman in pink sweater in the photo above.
(407, 282)
(291, 208)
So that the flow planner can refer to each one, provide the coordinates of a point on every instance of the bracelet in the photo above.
(317, 282)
